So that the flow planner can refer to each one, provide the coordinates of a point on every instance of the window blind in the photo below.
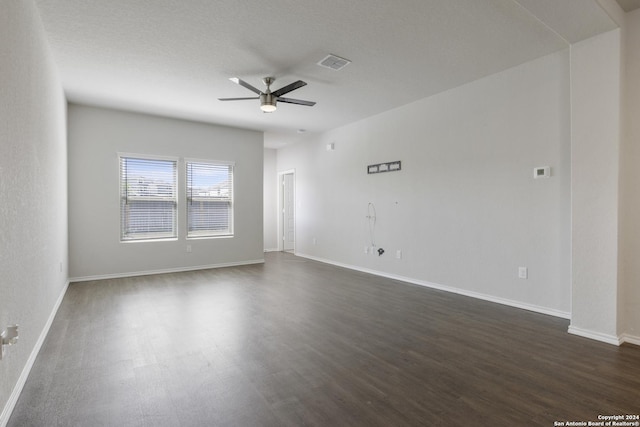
(148, 201)
(209, 199)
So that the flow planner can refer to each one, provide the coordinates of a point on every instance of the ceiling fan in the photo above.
(269, 99)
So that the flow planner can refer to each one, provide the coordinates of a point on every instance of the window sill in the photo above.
(164, 239)
(225, 236)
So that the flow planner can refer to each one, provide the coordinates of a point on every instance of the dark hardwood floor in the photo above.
(294, 342)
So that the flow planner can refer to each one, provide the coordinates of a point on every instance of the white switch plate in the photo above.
(522, 272)
(188, 249)
(399, 254)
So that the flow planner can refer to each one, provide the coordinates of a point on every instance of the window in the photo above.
(147, 198)
(209, 199)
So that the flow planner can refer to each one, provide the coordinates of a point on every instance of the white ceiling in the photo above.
(174, 57)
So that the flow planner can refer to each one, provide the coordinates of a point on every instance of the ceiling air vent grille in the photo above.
(334, 62)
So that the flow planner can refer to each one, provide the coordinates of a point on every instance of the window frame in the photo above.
(124, 199)
(209, 234)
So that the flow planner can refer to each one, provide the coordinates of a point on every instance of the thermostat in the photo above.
(542, 172)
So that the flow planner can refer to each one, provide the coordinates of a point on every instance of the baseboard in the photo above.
(163, 271)
(631, 339)
(271, 250)
(15, 394)
(598, 336)
(477, 295)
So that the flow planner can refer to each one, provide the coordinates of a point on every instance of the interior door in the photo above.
(288, 212)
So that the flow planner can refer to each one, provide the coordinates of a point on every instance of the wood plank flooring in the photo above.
(295, 342)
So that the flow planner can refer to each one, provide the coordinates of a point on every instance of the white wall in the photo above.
(465, 209)
(33, 189)
(270, 200)
(630, 197)
(595, 145)
(96, 136)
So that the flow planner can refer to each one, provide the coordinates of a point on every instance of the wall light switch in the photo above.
(398, 254)
(188, 249)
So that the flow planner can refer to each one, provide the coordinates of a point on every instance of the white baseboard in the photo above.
(271, 250)
(598, 336)
(163, 271)
(15, 394)
(485, 297)
(631, 339)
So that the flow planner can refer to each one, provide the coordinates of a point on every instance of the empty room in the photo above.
(319, 213)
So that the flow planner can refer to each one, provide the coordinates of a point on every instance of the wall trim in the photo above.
(163, 271)
(598, 336)
(631, 339)
(271, 250)
(477, 295)
(22, 379)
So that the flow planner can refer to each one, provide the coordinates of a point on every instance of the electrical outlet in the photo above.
(8, 337)
(523, 272)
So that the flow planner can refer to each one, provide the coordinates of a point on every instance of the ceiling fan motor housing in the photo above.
(268, 102)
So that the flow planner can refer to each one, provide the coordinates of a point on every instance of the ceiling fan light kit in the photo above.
(268, 99)
(268, 102)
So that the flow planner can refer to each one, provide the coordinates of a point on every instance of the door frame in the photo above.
(281, 207)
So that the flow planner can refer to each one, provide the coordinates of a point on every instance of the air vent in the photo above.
(334, 62)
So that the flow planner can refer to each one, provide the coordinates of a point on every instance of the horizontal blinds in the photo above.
(209, 199)
(148, 198)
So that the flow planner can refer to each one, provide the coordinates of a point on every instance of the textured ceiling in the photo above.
(174, 57)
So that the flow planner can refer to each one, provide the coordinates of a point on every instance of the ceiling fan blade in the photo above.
(289, 88)
(237, 99)
(296, 101)
(245, 84)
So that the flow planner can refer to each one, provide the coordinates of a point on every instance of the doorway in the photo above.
(287, 219)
